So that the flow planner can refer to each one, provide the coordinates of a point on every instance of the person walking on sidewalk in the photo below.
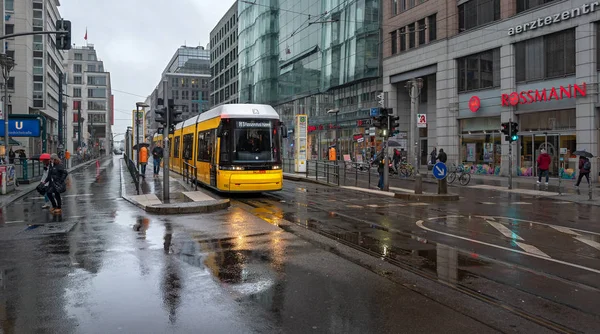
(57, 176)
(585, 166)
(157, 155)
(543, 162)
(442, 156)
(380, 167)
(143, 160)
(45, 158)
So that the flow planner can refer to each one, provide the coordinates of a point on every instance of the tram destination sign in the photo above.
(584, 9)
(246, 124)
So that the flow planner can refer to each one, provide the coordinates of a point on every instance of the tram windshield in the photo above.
(256, 141)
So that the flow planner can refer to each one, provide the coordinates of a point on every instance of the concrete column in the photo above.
(586, 112)
(447, 110)
(508, 85)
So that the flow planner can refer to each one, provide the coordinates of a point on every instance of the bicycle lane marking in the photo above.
(533, 254)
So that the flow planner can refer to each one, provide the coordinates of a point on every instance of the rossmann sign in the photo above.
(544, 95)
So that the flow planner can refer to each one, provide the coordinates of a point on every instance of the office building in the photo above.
(33, 86)
(223, 59)
(188, 80)
(483, 63)
(91, 113)
(307, 57)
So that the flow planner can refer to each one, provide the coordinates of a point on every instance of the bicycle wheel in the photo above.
(403, 172)
(465, 178)
(451, 177)
(409, 171)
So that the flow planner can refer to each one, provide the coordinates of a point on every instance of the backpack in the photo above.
(587, 165)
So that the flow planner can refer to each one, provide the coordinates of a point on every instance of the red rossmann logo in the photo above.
(532, 96)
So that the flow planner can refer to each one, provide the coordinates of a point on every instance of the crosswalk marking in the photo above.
(354, 206)
(531, 249)
(504, 230)
(565, 230)
(520, 203)
(487, 203)
(588, 242)
(418, 203)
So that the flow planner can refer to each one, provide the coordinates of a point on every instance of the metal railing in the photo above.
(345, 173)
(28, 171)
(190, 174)
(135, 174)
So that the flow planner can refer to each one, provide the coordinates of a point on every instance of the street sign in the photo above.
(22, 127)
(421, 121)
(440, 170)
(374, 112)
(381, 99)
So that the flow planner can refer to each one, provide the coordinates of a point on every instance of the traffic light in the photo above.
(385, 111)
(160, 115)
(506, 131)
(393, 125)
(63, 39)
(514, 131)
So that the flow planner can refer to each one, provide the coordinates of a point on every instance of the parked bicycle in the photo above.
(405, 169)
(464, 176)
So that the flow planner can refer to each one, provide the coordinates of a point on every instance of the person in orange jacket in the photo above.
(143, 160)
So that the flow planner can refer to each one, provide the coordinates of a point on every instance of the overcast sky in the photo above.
(136, 39)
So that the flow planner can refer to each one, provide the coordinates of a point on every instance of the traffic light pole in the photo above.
(510, 169)
(166, 144)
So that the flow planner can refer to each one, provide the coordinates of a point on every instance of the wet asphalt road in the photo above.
(540, 257)
(105, 266)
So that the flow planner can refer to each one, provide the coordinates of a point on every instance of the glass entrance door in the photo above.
(550, 143)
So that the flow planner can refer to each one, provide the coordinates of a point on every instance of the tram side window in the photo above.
(205, 145)
(201, 146)
(188, 141)
(170, 147)
(224, 155)
(177, 140)
(208, 137)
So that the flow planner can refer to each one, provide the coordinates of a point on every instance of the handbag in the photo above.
(42, 189)
(60, 187)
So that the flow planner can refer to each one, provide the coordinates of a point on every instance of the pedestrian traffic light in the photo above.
(63, 38)
(160, 115)
(505, 128)
(393, 124)
(514, 131)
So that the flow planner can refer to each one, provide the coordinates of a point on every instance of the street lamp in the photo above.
(336, 112)
(7, 65)
(138, 105)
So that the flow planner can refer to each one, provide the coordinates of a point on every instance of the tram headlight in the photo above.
(276, 167)
(231, 168)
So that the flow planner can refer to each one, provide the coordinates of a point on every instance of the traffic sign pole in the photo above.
(440, 171)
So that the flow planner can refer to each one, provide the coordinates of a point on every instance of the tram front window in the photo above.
(256, 141)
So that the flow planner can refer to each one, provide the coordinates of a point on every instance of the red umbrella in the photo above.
(45, 156)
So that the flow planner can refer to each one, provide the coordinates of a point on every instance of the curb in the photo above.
(31, 187)
(427, 197)
(305, 179)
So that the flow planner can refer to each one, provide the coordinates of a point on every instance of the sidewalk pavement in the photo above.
(528, 188)
(25, 189)
(182, 199)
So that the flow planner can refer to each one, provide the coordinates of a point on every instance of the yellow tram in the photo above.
(230, 148)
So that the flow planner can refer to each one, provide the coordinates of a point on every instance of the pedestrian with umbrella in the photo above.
(585, 166)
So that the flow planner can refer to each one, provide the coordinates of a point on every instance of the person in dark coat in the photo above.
(584, 170)
(442, 156)
(57, 176)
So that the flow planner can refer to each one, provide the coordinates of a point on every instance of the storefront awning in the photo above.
(12, 142)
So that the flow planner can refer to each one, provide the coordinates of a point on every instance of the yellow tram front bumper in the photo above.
(250, 181)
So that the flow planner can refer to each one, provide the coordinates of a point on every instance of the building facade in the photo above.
(318, 58)
(224, 59)
(91, 111)
(188, 83)
(33, 87)
(484, 63)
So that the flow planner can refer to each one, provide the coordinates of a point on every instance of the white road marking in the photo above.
(520, 203)
(14, 222)
(487, 203)
(448, 216)
(589, 242)
(504, 230)
(354, 206)
(418, 203)
(63, 196)
(565, 230)
(531, 249)
(420, 224)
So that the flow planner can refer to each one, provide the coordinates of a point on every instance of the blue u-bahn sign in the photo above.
(22, 128)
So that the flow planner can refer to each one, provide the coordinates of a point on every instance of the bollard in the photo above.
(418, 184)
(442, 187)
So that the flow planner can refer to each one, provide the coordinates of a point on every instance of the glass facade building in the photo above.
(311, 56)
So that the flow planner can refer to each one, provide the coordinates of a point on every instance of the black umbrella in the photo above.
(135, 147)
(583, 154)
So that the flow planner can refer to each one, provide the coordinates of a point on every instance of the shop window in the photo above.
(394, 37)
(475, 13)
(523, 5)
(546, 57)
(479, 71)
(432, 26)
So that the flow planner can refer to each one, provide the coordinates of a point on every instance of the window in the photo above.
(77, 80)
(402, 5)
(78, 56)
(97, 92)
(394, 37)
(394, 7)
(188, 143)
(97, 105)
(76, 92)
(9, 29)
(91, 68)
(523, 5)
(91, 57)
(545, 57)
(185, 95)
(205, 146)
(76, 105)
(411, 36)
(479, 71)
(176, 148)
(477, 12)
(175, 94)
(96, 80)
(422, 30)
(432, 27)
(9, 5)
(10, 54)
(402, 39)
(77, 68)
(11, 83)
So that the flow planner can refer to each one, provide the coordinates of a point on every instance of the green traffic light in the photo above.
(515, 137)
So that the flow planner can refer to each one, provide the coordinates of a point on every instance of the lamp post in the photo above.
(7, 64)
(414, 90)
(336, 112)
(138, 105)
